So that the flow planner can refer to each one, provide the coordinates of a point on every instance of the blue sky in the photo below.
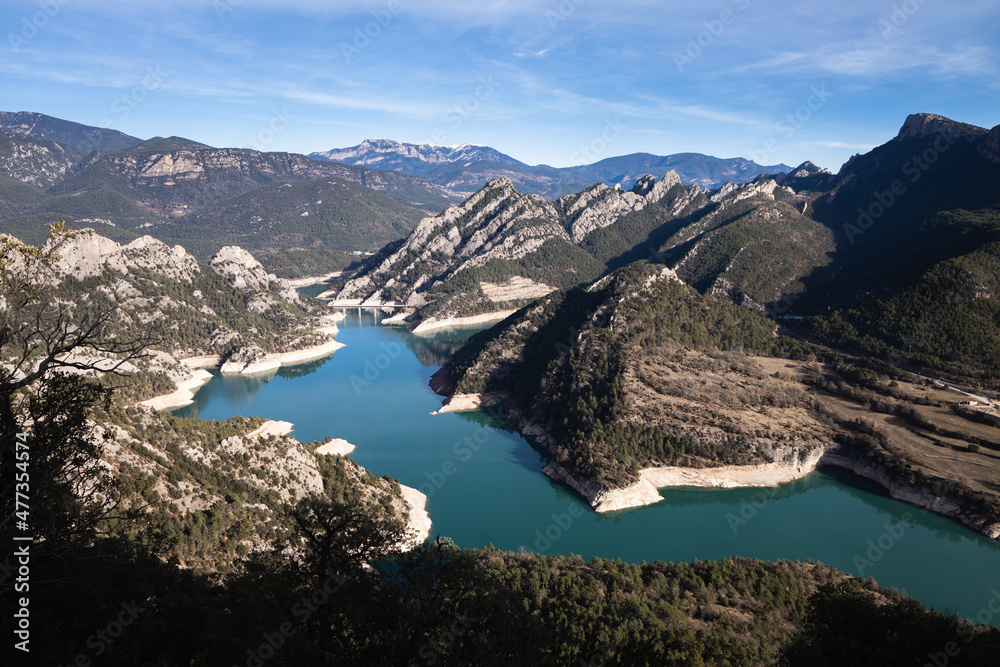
(559, 82)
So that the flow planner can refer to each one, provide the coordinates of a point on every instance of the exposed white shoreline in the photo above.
(468, 403)
(485, 318)
(312, 280)
(419, 522)
(271, 427)
(183, 395)
(336, 447)
(646, 490)
(308, 354)
(273, 361)
(208, 361)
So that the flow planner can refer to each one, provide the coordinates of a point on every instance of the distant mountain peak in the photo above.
(927, 124)
(389, 154)
(468, 167)
(84, 137)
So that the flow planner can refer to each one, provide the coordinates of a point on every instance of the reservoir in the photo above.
(485, 486)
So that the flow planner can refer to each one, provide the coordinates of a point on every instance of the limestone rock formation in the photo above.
(88, 254)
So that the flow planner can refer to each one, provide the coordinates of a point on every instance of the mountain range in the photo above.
(663, 334)
(469, 167)
(786, 323)
(204, 198)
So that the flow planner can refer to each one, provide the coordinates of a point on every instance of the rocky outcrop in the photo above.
(87, 254)
(600, 206)
(35, 163)
(496, 224)
(921, 125)
(489, 225)
(248, 360)
(241, 269)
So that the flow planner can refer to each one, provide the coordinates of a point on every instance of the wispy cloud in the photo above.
(556, 80)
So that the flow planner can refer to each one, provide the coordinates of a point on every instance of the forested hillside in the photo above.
(204, 198)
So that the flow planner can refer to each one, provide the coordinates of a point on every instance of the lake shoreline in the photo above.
(200, 375)
(645, 491)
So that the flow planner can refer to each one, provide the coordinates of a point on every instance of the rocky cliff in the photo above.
(211, 309)
(469, 259)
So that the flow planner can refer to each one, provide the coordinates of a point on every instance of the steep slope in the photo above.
(752, 247)
(882, 200)
(468, 259)
(749, 243)
(917, 222)
(217, 490)
(85, 138)
(37, 162)
(194, 309)
(640, 382)
(325, 213)
(173, 176)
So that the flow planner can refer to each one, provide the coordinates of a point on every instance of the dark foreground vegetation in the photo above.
(441, 605)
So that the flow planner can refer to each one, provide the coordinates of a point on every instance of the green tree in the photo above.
(50, 351)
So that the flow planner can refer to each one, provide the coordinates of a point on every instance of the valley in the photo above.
(543, 376)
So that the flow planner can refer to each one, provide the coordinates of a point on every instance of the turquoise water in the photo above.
(485, 484)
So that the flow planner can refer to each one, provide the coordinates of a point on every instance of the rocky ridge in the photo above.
(468, 168)
(182, 175)
(496, 226)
